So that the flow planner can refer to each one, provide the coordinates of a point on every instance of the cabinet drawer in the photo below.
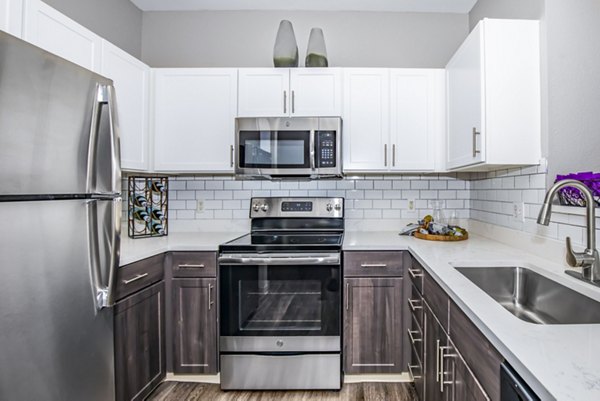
(135, 276)
(373, 264)
(415, 369)
(193, 264)
(416, 336)
(477, 351)
(415, 272)
(437, 299)
(415, 305)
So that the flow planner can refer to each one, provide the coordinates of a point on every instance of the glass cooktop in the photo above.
(284, 242)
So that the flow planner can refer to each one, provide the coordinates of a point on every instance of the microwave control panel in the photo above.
(326, 148)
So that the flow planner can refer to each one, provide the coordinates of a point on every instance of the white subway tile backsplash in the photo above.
(194, 185)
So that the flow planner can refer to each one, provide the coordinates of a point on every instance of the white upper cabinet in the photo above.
(131, 79)
(194, 113)
(393, 120)
(493, 97)
(417, 119)
(49, 29)
(365, 132)
(11, 17)
(289, 92)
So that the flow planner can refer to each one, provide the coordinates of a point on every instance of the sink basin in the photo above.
(532, 297)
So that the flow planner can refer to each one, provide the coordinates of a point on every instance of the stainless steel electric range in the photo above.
(280, 297)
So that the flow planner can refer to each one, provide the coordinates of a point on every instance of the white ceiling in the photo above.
(444, 6)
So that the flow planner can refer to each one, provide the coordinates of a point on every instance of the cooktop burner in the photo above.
(289, 241)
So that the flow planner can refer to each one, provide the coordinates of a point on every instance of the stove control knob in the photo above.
(338, 207)
(279, 343)
(256, 207)
(264, 207)
(329, 207)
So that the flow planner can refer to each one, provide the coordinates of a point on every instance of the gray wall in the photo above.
(117, 21)
(513, 9)
(246, 39)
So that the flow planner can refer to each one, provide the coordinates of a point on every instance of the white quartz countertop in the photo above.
(560, 362)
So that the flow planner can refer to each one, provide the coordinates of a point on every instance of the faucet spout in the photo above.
(588, 260)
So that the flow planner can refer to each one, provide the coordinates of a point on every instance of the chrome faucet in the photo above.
(588, 260)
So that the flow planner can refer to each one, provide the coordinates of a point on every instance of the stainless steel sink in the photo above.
(532, 297)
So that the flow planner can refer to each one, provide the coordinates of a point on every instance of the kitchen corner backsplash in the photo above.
(366, 196)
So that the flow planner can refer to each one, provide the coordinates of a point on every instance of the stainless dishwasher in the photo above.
(513, 388)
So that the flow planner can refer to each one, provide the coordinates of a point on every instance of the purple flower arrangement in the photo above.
(571, 196)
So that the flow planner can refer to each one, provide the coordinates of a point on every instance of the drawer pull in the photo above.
(373, 265)
(136, 278)
(191, 266)
(210, 301)
(412, 339)
(414, 273)
(413, 307)
(410, 370)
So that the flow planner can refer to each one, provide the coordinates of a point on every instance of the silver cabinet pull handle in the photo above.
(230, 155)
(437, 361)
(413, 307)
(443, 355)
(475, 133)
(410, 370)
(210, 301)
(347, 296)
(293, 102)
(191, 266)
(413, 340)
(284, 102)
(385, 155)
(373, 265)
(136, 278)
(414, 273)
(394, 155)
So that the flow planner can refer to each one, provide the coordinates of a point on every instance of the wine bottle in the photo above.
(157, 213)
(141, 214)
(157, 228)
(140, 201)
(156, 186)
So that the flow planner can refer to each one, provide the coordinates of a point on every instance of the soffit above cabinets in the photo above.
(433, 6)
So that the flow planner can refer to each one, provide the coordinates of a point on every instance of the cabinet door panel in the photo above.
(139, 343)
(49, 29)
(434, 339)
(264, 92)
(465, 96)
(374, 327)
(195, 331)
(366, 120)
(464, 386)
(11, 17)
(131, 79)
(315, 92)
(194, 119)
(417, 123)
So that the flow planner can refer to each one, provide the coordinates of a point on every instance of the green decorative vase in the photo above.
(285, 53)
(316, 53)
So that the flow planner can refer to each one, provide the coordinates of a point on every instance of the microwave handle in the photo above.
(312, 149)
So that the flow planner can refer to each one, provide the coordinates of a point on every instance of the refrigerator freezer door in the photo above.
(55, 344)
(47, 125)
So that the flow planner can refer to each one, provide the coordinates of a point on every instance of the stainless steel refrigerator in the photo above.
(59, 227)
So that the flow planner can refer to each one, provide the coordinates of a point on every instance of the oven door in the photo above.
(279, 295)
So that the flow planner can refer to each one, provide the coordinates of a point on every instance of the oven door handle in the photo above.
(280, 259)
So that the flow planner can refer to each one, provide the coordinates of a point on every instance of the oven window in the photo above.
(274, 149)
(280, 300)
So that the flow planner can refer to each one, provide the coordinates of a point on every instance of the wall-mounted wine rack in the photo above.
(148, 206)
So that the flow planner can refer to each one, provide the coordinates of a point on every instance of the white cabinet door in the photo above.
(264, 92)
(366, 119)
(131, 79)
(194, 112)
(11, 17)
(465, 95)
(316, 92)
(49, 29)
(417, 124)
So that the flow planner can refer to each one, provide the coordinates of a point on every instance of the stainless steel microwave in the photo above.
(288, 148)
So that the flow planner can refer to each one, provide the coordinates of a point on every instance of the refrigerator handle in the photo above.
(104, 95)
(104, 294)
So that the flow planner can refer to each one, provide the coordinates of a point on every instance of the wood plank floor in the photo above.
(174, 391)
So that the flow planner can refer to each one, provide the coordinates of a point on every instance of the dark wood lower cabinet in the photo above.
(140, 343)
(195, 325)
(435, 340)
(373, 325)
(463, 386)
